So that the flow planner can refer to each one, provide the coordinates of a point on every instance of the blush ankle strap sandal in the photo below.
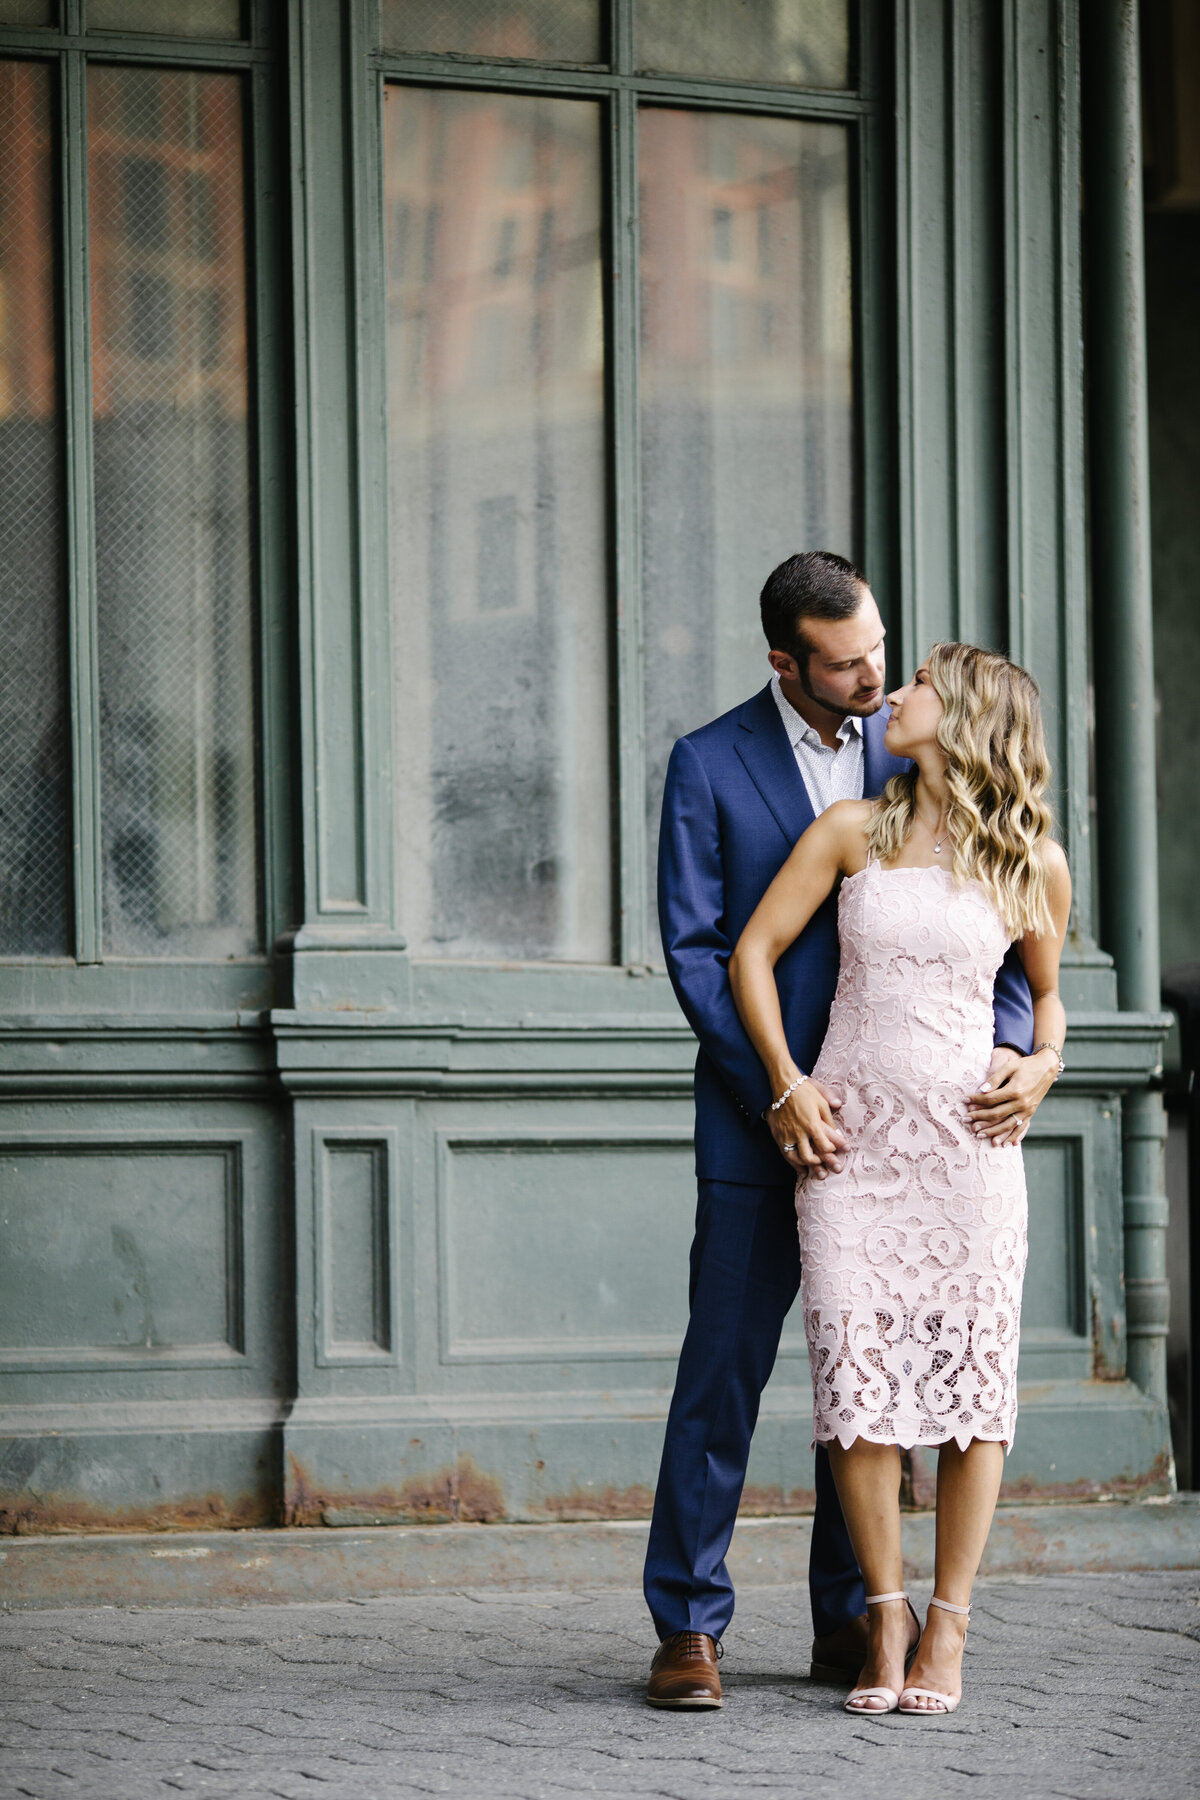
(889, 1696)
(946, 1703)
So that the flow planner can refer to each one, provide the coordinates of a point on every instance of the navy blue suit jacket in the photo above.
(734, 805)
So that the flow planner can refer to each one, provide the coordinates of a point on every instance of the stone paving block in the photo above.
(1077, 1689)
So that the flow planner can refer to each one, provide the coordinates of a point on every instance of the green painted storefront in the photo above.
(399, 409)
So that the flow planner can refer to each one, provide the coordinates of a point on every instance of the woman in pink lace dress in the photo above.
(912, 1219)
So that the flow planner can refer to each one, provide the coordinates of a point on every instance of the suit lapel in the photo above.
(762, 743)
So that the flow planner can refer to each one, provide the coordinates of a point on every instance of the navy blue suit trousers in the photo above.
(745, 1273)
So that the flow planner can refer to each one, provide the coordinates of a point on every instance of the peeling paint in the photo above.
(1154, 1480)
(589, 1504)
(767, 1502)
(37, 1515)
(459, 1494)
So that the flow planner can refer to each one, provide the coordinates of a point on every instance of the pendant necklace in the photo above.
(939, 837)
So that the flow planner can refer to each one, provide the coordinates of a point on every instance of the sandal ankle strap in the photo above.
(878, 1599)
(949, 1606)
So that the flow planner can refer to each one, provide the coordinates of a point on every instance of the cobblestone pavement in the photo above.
(1087, 1688)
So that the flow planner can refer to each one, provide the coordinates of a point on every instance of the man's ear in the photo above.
(784, 665)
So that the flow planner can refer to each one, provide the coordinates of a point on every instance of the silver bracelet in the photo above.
(1049, 1046)
(788, 1092)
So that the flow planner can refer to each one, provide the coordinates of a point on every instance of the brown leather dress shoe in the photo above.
(838, 1657)
(684, 1674)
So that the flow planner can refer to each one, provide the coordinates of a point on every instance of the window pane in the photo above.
(496, 437)
(27, 12)
(173, 514)
(802, 42)
(746, 393)
(182, 18)
(34, 787)
(526, 30)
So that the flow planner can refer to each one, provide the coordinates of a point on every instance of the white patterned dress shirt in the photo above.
(829, 774)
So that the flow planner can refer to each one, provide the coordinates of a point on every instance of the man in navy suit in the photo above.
(739, 792)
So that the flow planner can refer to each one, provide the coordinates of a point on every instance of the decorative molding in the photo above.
(230, 1147)
(529, 1141)
(379, 1144)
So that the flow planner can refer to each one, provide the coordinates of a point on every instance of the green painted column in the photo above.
(1124, 651)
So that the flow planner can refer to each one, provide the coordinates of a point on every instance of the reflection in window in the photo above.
(34, 792)
(499, 583)
(552, 30)
(746, 393)
(805, 43)
(173, 513)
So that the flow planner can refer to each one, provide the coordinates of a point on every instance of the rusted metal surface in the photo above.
(216, 1568)
(27, 1515)
(585, 1504)
(458, 1494)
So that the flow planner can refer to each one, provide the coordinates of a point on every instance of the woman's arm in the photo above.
(1040, 957)
(828, 849)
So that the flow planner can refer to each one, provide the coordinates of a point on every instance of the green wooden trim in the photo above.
(321, 801)
(1013, 343)
(81, 552)
(1073, 597)
(873, 371)
(870, 291)
(623, 363)
(266, 261)
(618, 43)
(908, 485)
(305, 509)
(960, 300)
(669, 90)
(369, 354)
(111, 46)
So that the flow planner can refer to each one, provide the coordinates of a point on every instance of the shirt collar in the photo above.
(799, 731)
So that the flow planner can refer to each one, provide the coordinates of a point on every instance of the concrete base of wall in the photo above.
(221, 1568)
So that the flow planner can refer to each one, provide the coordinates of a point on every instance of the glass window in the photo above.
(746, 391)
(35, 801)
(805, 43)
(173, 513)
(28, 12)
(498, 514)
(550, 30)
(179, 18)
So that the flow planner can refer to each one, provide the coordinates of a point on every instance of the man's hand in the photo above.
(807, 1124)
(1011, 1093)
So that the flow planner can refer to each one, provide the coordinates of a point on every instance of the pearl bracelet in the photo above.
(787, 1093)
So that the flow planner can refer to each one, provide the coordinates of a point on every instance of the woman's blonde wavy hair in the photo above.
(996, 772)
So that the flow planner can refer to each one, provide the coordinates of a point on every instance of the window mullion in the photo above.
(80, 497)
(623, 338)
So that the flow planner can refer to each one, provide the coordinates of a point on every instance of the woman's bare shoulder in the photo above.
(848, 822)
(1054, 861)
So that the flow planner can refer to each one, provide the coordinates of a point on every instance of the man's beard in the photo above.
(838, 709)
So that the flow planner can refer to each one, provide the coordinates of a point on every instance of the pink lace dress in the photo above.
(913, 1256)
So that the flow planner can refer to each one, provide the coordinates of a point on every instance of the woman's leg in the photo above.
(868, 1485)
(968, 1485)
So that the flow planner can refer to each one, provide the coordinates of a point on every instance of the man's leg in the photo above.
(745, 1270)
(835, 1585)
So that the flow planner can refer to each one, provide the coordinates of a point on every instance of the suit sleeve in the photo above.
(691, 908)
(1012, 1005)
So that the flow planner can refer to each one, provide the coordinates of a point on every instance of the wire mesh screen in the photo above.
(34, 786)
(554, 30)
(182, 18)
(173, 513)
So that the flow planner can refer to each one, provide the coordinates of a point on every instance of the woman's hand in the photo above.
(1015, 1087)
(806, 1131)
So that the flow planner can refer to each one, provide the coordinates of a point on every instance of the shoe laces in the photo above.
(695, 1644)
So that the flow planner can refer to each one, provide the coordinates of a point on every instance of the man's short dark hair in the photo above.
(813, 584)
